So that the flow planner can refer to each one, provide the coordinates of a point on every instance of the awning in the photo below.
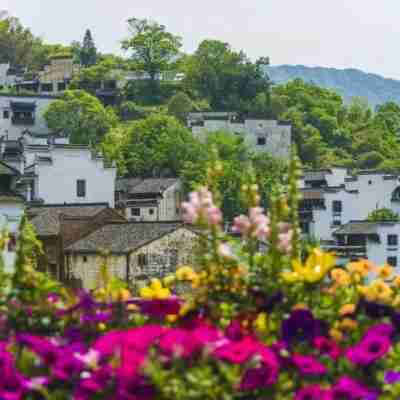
(22, 106)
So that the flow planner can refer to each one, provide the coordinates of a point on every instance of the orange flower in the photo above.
(347, 309)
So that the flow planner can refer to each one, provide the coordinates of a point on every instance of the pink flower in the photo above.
(327, 346)
(237, 352)
(108, 344)
(255, 225)
(179, 342)
(225, 251)
(308, 365)
(201, 208)
(348, 388)
(310, 392)
(381, 330)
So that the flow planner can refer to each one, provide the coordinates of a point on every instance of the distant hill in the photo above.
(347, 82)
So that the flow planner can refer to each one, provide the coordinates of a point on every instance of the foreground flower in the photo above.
(327, 346)
(348, 388)
(392, 377)
(201, 209)
(371, 348)
(318, 264)
(308, 365)
(310, 392)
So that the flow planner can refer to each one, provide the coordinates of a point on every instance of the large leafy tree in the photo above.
(153, 48)
(228, 80)
(80, 116)
(156, 145)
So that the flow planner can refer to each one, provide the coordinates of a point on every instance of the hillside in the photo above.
(348, 82)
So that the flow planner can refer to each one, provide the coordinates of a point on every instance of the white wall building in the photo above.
(150, 200)
(68, 174)
(19, 113)
(261, 135)
(335, 207)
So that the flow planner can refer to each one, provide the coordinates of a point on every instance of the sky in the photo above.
(359, 34)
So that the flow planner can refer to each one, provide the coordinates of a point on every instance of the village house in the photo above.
(60, 225)
(335, 206)
(60, 173)
(21, 113)
(135, 252)
(152, 199)
(261, 135)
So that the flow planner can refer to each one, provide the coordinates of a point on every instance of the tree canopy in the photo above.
(80, 116)
(153, 49)
(382, 215)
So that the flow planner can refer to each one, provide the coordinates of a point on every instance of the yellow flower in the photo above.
(341, 277)
(299, 306)
(101, 327)
(336, 335)
(362, 267)
(172, 318)
(397, 282)
(385, 271)
(185, 273)
(383, 291)
(315, 268)
(169, 280)
(260, 322)
(154, 291)
(348, 324)
(347, 309)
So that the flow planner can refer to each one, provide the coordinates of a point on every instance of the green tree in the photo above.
(80, 116)
(156, 145)
(383, 214)
(228, 80)
(153, 49)
(180, 106)
(88, 53)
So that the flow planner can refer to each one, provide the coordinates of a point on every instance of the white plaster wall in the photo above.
(14, 132)
(337, 177)
(57, 180)
(10, 215)
(88, 271)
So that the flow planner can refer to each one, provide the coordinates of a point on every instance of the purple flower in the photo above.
(371, 348)
(308, 365)
(300, 326)
(375, 310)
(12, 387)
(381, 330)
(45, 349)
(392, 377)
(179, 342)
(234, 331)
(66, 367)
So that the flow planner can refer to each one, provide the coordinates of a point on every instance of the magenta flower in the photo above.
(310, 392)
(67, 367)
(371, 348)
(348, 388)
(308, 365)
(381, 330)
(45, 349)
(179, 342)
(237, 352)
(327, 346)
(158, 308)
(109, 343)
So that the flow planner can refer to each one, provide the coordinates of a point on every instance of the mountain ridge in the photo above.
(349, 82)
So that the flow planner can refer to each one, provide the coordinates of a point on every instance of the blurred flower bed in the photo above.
(260, 318)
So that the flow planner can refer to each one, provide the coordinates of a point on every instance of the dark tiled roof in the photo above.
(358, 228)
(153, 185)
(126, 184)
(124, 237)
(46, 219)
(6, 169)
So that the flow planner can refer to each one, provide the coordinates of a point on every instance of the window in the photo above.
(392, 240)
(61, 86)
(84, 259)
(261, 141)
(6, 114)
(81, 188)
(135, 212)
(305, 227)
(369, 182)
(47, 87)
(151, 211)
(392, 261)
(336, 223)
(142, 260)
(337, 206)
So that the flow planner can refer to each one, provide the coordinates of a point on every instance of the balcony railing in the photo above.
(347, 251)
(23, 121)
